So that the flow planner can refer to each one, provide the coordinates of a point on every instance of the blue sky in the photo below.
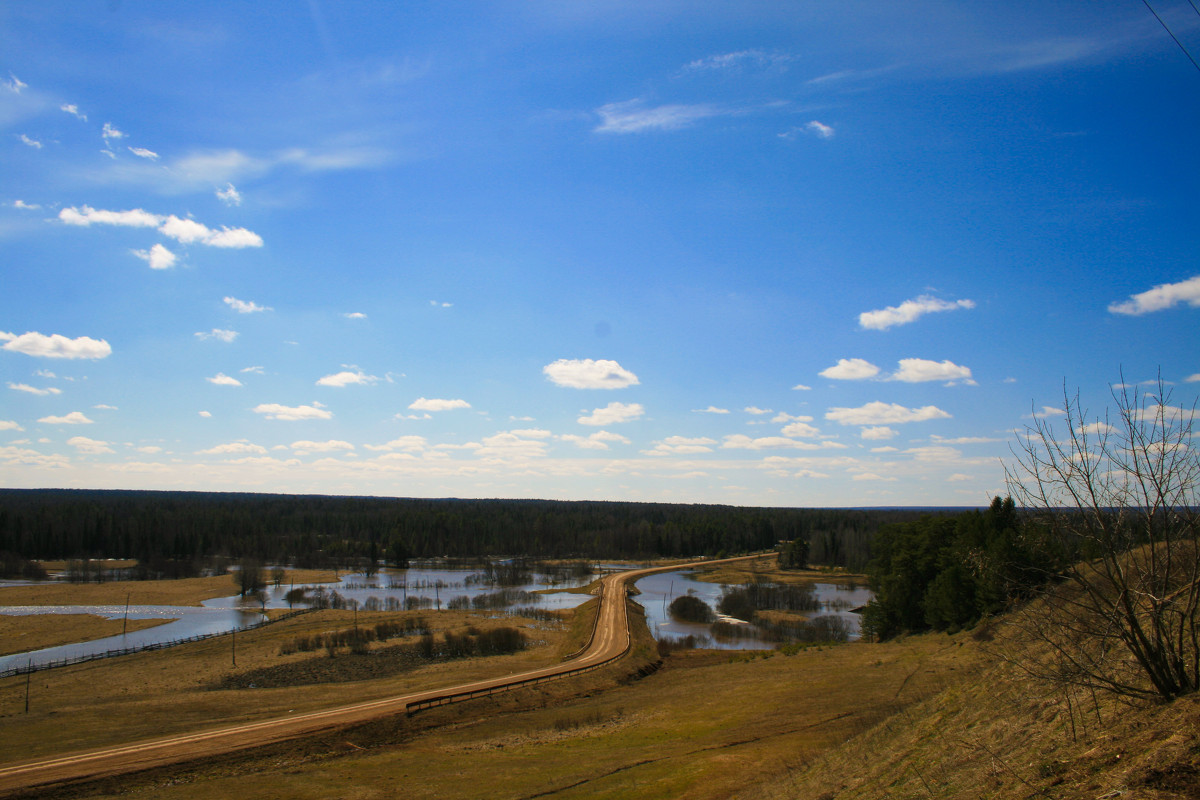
(803, 254)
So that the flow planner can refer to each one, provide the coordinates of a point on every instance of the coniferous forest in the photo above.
(175, 528)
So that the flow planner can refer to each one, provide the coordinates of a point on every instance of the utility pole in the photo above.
(28, 677)
(125, 624)
(233, 646)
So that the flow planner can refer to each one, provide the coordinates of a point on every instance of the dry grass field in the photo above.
(25, 633)
(923, 716)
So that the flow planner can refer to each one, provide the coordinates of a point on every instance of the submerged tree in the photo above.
(1117, 499)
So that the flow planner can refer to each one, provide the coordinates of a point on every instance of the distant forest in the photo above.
(178, 528)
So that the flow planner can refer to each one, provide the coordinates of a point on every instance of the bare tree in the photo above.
(1114, 500)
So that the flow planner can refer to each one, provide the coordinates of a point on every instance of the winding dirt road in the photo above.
(610, 641)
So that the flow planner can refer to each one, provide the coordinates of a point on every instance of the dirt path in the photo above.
(610, 640)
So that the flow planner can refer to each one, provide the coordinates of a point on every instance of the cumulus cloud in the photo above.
(229, 195)
(879, 433)
(1163, 296)
(9, 425)
(742, 442)
(142, 152)
(355, 315)
(219, 334)
(24, 387)
(158, 257)
(433, 404)
(800, 387)
(204, 414)
(347, 378)
(756, 411)
(74, 418)
(91, 446)
(850, 369)
(73, 110)
(710, 410)
(55, 345)
(221, 379)
(920, 370)
(800, 430)
(612, 414)
(245, 306)
(292, 413)
(110, 133)
(184, 231)
(681, 445)
(588, 374)
(331, 446)
(633, 116)
(26, 206)
(404, 444)
(879, 413)
(240, 447)
(908, 311)
(509, 445)
(597, 441)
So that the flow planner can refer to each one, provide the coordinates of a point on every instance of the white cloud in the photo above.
(234, 448)
(229, 195)
(907, 312)
(436, 304)
(346, 378)
(331, 446)
(253, 370)
(850, 369)
(633, 117)
(1101, 428)
(965, 440)
(681, 445)
(1046, 412)
(710, 410)
(612, 414)
(149, 449)
(34, 143)
(800, 429)
(9, 425)
(879, 413)
(245, 306)
(24, 387)
(233, 238)
(220, 334)
(432, 404)
(920, 370)
(142, 152)
(783, 416)
(205, 414)
(879, 433)
(738, 59)
(404, 443)
(292, 413)
(74, 418)
(158, 257)
(91, 446)
(509, 445)
(55, 345)
(85, 216)
(27, 206)
(1163, 296)
(800, 387)
(110, 132)
(221, 379)
(355, 315)
(73, 109)
(104, 407)
(756, 411)
(742, 442)
(588, 374)
(597, 441)
(1192, 378)
(870, 476)
(13, 84)
(820, 129)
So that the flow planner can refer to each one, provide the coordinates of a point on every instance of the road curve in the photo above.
(611, 639)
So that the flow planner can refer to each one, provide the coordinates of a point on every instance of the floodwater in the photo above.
(658, 590)
(435, 584)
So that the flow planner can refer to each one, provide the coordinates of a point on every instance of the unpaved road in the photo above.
(610, 641)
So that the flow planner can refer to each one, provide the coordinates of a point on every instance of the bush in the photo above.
(689, 608)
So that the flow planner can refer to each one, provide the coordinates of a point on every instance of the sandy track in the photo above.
(611, 639)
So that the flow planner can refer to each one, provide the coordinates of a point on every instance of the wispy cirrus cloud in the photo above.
(220, 334)
(55, 345)
(633, 116)
(908, 311)
(1161, 297)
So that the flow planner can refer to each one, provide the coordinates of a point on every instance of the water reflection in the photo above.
(423, 586)
(658, 590)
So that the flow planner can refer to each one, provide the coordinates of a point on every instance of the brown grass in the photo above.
(19, 634)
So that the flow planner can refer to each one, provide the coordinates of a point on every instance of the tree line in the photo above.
(166, 531)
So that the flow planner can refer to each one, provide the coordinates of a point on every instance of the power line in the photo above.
(1168, 30)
